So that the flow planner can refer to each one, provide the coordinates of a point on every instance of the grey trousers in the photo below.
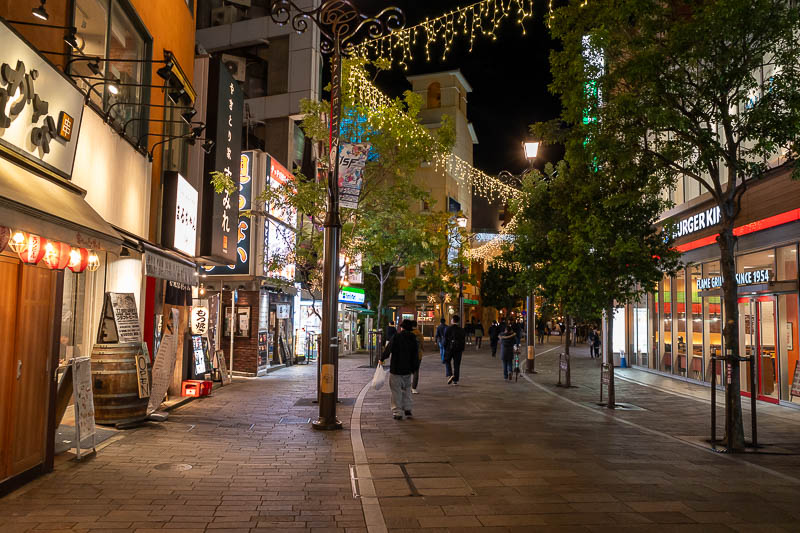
(401, 393)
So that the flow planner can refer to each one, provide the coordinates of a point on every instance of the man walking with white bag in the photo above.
(405, 362)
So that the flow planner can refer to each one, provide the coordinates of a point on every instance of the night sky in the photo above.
(509, 78)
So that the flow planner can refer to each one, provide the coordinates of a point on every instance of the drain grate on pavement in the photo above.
(173, 467)
(294, 420)
(309, 402)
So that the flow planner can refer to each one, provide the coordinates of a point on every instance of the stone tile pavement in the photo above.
(486, 455)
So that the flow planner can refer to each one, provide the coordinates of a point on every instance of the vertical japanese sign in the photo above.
(223, 121)
(243, 228)
(352, 160)
(279, 234)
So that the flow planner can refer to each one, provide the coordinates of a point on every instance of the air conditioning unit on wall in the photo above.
(236, 65)
(224, 15)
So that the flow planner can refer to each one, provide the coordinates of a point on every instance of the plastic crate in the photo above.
(195, 388)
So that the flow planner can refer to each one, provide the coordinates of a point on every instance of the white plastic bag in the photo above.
(379, 378)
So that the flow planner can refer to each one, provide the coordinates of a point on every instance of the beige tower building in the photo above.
(443, 93)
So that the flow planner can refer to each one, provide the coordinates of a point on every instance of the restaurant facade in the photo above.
(677, 328)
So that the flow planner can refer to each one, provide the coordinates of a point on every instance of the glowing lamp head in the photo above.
(33, 250)
(93, 263)
(17, 241)
(531, 149)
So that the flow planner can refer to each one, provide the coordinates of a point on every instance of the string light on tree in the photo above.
(481, 19)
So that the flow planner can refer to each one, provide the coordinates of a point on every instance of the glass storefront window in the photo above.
(712, 325)
(654, 326)
(641, 356)
(788, 342)
(666, 326)
(763, 260)
(786, 259)
(679, 290)
(695, 324)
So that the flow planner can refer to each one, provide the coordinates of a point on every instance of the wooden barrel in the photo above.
(115, 384)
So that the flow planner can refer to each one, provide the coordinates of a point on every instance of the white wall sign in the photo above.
(282, 311)
(185, 217)
(698, 221)
(40, 110)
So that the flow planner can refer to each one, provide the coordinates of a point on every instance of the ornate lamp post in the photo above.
(338, 22)
(531, 151)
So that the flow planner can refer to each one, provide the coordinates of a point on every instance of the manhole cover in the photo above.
(173, 467)
(294, 420)
(308, 402)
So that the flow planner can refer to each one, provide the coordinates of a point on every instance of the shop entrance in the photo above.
(758, 336)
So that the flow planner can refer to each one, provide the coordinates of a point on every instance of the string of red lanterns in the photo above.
(57, 255)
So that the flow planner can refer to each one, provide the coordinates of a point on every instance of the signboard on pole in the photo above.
(352, 160)
(84, 401)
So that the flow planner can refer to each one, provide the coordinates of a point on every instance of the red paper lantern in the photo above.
(5, 236)
(33, 250)
(56, 255)
(78, 259)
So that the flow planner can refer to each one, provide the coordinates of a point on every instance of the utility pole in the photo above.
(338, 21)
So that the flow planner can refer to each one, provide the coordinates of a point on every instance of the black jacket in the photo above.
(404, 353)
(454, 340)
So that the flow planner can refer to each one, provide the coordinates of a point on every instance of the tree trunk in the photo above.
(612, 397)
(565, 334)
(381, 281)
(734, 430)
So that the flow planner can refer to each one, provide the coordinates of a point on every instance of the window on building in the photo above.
(109, 29)
(176, 146)
(758, 261)
(712, 325)
(434, 95)
(695, 324)
(786, 259)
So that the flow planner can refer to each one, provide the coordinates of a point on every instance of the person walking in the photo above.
(540, 331)
(494, 335)
(508, 340)
(478, 335)
(405, 361)
(596, 343)
(469, 330)
(455, 342)
(440, 331)
(420, 339)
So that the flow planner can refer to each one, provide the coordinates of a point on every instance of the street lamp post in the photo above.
(462, 223)
(338, 21)
(531, 149)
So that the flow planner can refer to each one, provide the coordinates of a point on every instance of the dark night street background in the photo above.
(509, 78)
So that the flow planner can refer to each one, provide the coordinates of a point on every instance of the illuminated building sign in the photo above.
(751, 277)
(243, 229)
(698, 221)
(40, 110)
(220, 229)
(352, 295)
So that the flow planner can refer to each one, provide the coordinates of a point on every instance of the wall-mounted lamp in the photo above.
(40, 12)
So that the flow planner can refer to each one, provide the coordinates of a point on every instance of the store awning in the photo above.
(38, 205)
(164, 264)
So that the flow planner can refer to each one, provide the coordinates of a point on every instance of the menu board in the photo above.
(796, 380)
(120, 320)
(84, 400)
(199, 355)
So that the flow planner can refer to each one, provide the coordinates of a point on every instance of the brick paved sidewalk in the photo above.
(522, 457)
(254, 467)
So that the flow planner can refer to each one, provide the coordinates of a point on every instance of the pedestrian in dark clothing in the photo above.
(405, 361)
(596, 343)
(508, 340)
(455, 342)
(517, 329)
(540, 327)
(469, 330)
(440, 331)
(420, 339)
(391, 331)
(494, 334)
(478, 335)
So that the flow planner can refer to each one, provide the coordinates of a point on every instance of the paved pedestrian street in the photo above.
(485, 455)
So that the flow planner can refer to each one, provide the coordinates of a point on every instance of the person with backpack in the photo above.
(455, 342)
(440, 331)
(405, 361)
